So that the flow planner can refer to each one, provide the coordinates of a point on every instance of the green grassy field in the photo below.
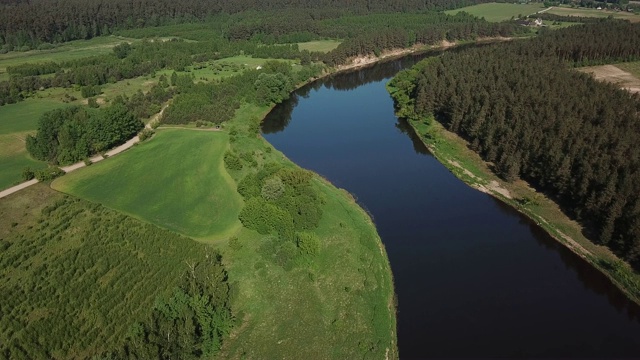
(630, 67)
(68, 51)
(14, 158)
(320, 45)
(338, 305)
(75, 276)
(496, 12)
(24, 115)
(16, 121)
(176, 181)
(587, 12)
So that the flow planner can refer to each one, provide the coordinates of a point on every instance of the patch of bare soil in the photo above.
(614, 75)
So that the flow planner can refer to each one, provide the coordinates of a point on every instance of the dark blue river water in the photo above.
(473, 277)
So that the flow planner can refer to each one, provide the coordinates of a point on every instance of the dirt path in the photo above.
(614, 75)
(67, 169)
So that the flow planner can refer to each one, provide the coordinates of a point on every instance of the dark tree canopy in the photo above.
(522, 108)
(33, 22)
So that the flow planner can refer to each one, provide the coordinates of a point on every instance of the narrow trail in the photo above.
(115, 151)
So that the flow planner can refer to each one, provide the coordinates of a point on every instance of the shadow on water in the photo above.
(589, 276)
(474, 278)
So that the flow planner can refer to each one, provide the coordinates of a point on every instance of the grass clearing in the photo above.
(176, 181)
(496, 12)
(68, 51)
(339, 305)
(16, 122)
(320, 45)
(14, 158)
(24, 115)
(222, 68)
(631, 67)
(75, 276)
(587, 12)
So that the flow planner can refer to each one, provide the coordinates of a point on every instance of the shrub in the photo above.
(232, 161)
(308, 243)
(49, 173)
(273, 188)
(93, 103)
(267, 218)
(145, 134)
(28, 174)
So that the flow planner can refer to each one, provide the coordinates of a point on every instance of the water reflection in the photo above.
(473, 276)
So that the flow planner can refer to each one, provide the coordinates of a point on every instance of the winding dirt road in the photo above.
(67, 169)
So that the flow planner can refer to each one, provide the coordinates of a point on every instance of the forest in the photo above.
(523, 109)
(29, 24)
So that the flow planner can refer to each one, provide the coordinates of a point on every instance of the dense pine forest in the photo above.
(33, 22)
(523, 108)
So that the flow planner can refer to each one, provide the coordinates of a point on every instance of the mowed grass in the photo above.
(496, 12)
(586, 12)
(14, 158)
(177, 181)
(320, 45)
(24, 115)
(16, 122)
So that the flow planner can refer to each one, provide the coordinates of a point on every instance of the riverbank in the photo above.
(340, 303)
(454, 153)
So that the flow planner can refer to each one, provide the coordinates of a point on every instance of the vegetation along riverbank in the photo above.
(526, 149)
(191, 244)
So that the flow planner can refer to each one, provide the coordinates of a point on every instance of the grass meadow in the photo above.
(68, 51)
(587, 12)
(496, 12)
(338, 305)
(16, 122)
(176, 181)
(321, 45)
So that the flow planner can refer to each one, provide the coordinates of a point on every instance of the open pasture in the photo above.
(588, 12)
(176, 181)
(496, 12)
(319, 45)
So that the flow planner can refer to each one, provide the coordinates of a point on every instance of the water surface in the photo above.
(474, 278)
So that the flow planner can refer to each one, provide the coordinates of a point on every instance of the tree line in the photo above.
(53, 21)
(523, 108)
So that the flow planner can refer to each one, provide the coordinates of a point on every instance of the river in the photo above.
(474, 278)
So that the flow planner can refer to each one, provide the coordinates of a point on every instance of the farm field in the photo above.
(176, 181)
(496, 12)
(320, 45)
(586, 12)
(616, 74)
(77, 276)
